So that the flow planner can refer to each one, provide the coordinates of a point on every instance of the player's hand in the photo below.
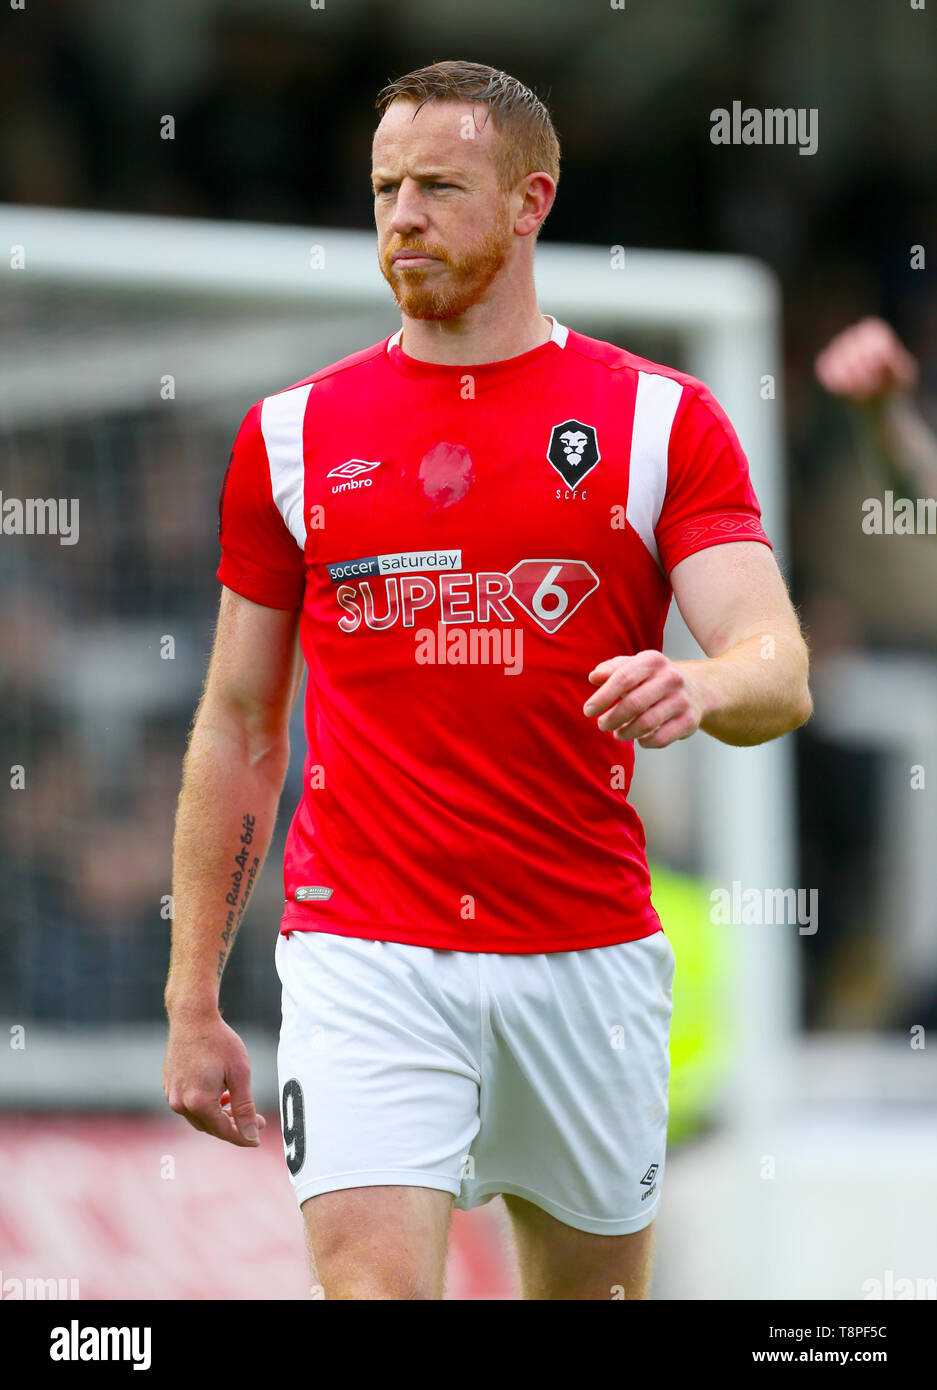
(646, 697)
(207, 1079)
(866, 361)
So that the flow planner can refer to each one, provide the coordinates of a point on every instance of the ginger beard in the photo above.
(453, 284)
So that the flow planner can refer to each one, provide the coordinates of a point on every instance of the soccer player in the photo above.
(473, 530)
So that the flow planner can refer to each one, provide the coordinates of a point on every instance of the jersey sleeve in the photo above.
(260, 559)
(709, 497)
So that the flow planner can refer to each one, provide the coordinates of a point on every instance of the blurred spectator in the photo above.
(868, 365)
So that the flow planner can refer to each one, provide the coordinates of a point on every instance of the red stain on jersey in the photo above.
(446, 473)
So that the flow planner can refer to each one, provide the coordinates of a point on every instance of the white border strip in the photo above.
(281, 423)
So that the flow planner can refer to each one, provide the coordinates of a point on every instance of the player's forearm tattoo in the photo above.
(242, 881)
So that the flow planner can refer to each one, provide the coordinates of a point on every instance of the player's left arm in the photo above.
(752, 684)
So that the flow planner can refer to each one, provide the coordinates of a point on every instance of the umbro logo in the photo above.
(351, 473)
(352, 469)
(573, 451)
(649, 1181)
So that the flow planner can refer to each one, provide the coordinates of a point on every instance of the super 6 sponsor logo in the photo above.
(549, 591)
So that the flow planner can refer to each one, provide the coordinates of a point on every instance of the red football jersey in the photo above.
(466, 544)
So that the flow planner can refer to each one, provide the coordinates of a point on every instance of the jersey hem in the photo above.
(293, 920)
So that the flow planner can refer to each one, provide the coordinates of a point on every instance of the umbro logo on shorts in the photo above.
(649, 1181)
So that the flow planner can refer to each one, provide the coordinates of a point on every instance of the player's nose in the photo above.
(409, 208)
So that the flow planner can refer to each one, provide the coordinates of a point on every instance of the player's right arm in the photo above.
(233, 774)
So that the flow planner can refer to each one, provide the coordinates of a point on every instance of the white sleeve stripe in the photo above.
(281, 424)
(655, 406)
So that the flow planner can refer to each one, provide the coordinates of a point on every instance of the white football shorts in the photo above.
(543, 1075)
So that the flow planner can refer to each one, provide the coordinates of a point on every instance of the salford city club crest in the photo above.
(573, 451)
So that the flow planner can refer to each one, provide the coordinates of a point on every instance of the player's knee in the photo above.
(376, 1267)
(380, 1284)
(374, 1270)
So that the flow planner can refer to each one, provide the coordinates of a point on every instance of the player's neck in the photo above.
(474, 338)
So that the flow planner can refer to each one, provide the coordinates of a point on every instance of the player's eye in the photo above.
(429, 183)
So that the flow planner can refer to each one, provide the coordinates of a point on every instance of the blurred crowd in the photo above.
(86, 835)
(274, 124)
